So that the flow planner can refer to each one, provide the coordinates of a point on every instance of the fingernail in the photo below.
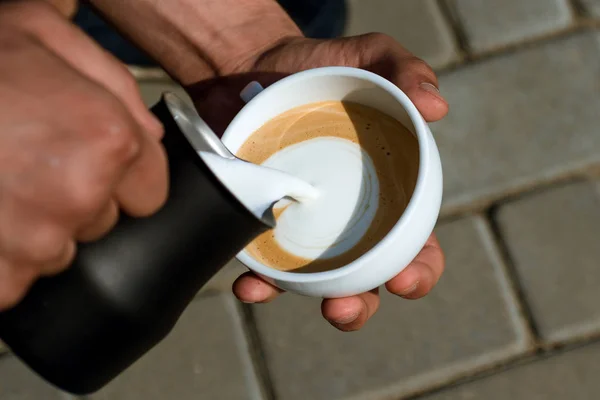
(346, 320)
(409, 290)
(430, 88)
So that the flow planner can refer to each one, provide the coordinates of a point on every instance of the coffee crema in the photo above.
(388, 162)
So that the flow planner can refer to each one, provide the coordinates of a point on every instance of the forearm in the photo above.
(200, 39)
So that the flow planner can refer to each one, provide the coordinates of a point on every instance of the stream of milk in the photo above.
(255, 186)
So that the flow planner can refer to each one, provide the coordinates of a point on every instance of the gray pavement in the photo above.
(570, 374)
(520, 119)
(516, 315)
(553, 238)
(490, 25)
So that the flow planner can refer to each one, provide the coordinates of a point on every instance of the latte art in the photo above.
(346, 180)
(364, 165)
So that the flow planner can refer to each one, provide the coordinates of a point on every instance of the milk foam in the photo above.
(347, 181)
(255, 186)
(332, 179)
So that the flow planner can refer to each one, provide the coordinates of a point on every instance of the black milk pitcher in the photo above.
(125, 292)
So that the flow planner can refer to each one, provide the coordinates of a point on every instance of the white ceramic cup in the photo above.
(408, 236)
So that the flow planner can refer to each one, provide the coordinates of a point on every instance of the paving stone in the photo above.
(151, 91)
(468, 322)
(418, 24)
(569, 375)
(491, 24)
(553, 240)
(205, 357)
(592, 7)
(17, 382)
(519, 120)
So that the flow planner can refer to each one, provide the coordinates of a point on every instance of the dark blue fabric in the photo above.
(321, 19)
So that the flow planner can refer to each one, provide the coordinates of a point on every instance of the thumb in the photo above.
(428, 100)
(420, 84)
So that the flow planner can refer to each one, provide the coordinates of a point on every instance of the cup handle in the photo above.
(250, 91)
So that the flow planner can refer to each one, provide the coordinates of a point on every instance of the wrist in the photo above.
(238, 48)
(195, 40)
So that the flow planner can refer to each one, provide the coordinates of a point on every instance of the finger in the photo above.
(27, 238)
(104, 222)
(351, 313)
(14, 283)
(412, 283)
(433, 255)
(249, 288)
(420, 84)
(416, 280)
(62, 263)
(87, 57)
(144, 187)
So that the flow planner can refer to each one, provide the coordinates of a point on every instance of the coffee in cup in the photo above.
(365, 165)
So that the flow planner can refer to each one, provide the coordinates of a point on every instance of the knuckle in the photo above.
(419, 66)
(418, 63)
(46, 245)
(86, 198)
(105, 221)
(127, 80)
(117, 138)
(61, 262)
(380, 37)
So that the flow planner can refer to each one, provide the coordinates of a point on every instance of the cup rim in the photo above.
(420, 132)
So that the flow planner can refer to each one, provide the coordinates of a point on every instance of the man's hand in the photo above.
(218, 101)
(76, 145)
